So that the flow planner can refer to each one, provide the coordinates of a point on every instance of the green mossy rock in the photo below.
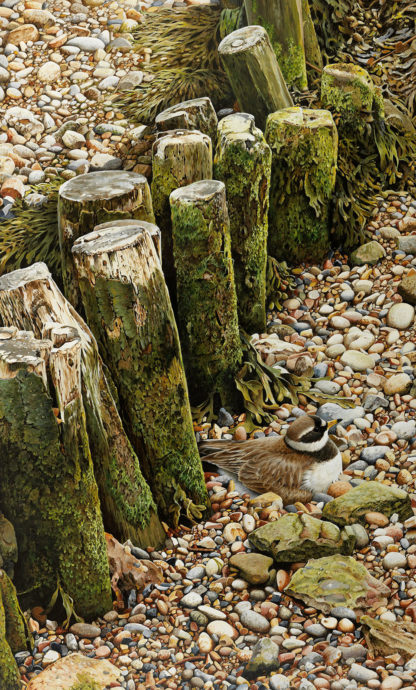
(407, 289)
(368, 496)
(296, 538)
(264, 660)
(337, 580)
(304, 147)
(77, 672)
(253, 567)
(368, 253)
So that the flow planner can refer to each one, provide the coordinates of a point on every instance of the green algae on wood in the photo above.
(8, 546)
(179, 158)
(9, 672)
(207, 302)
(304, 147)
(254, 73)
(129, 311)
(283, 21)
(367, 497)
(197, 113)
(47, 483)
(87, 200)
(17, 633)
(243, 162)
(310, 40)
(348, 90)
(30, 299)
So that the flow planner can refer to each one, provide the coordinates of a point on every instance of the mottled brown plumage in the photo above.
(270, 464)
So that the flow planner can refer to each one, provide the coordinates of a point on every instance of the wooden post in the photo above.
(207, 303)
(349, 93)
(47, 484)
(284, 23)
(30, 299)
(129, 311)
(304, 145)
(243, 162)
(87, 200)
(254, 73)
(197, 114)
(180, 157)
(13, 634)
(310, 40)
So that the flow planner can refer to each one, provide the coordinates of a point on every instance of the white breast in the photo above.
(322, 474)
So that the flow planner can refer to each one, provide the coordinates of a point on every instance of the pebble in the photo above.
(394, 560)
(401, 316)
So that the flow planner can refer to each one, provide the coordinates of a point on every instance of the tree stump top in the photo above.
(21, 350)
(204, 190)
(106, 184)
(203, 102)
(243, 39)
(302, 117)
(18, 278)
(344, 73)
(174, 137)
(239, 126)
(113, 236)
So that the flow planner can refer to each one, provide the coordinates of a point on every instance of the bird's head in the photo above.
(308, 433)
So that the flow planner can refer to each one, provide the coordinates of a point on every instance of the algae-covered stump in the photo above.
(254, 73)
(207, 303)
(348, 91)
(13, 635)
(283, 20)
(243, 162)
(197, 113)
(88, 200)
(128, 309)
(180, 157)
(47, 483)
(304, 145)
(30, 299)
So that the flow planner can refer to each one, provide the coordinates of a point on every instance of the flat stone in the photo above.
(254, 621)
(401, 316)
(253, 567)
(65, 674)
(221, 628)
(394, 560)
(407, 289)
(368, 496)
(265, 658)
(358, 361)
(49, 72)
(85, 630)
(329, 411)
(191, 600)
(361, 674)
(130, 80)
(405, 430)
(398, 383)
(407, 244)
(87, 44)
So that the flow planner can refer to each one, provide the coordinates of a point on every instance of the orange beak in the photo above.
(332, 423)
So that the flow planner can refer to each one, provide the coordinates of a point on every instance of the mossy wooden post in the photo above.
(47, 484)
(87, 200)
(243, 162)
(283, 21)
(254, 73)
(180, 157)
(30, 299)
(207, 303)
(128, 309)
(13, 634)
(231, 4)
(197, 113)
(304, 145)
(348, 91)
(310, 40)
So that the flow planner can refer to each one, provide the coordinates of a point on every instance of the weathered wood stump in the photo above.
(47, 484)
(254, 73)
(88, 200)
(231, 4)
(198, 113)
(13, 634)
(30, 299)
(180, 157)
(310, 40)
(284, 23)
(348, 91)
(304, 145)
(243, 162)
(207, 303)
(128, 309)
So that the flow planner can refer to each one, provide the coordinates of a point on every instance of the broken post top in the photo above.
(22, 276)
(113, 237)
(20, 350)
(100, 185)
(203, 191)
(239, 127)
(178, 138)
(243, 39)
(345, 72)
(301, 117)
